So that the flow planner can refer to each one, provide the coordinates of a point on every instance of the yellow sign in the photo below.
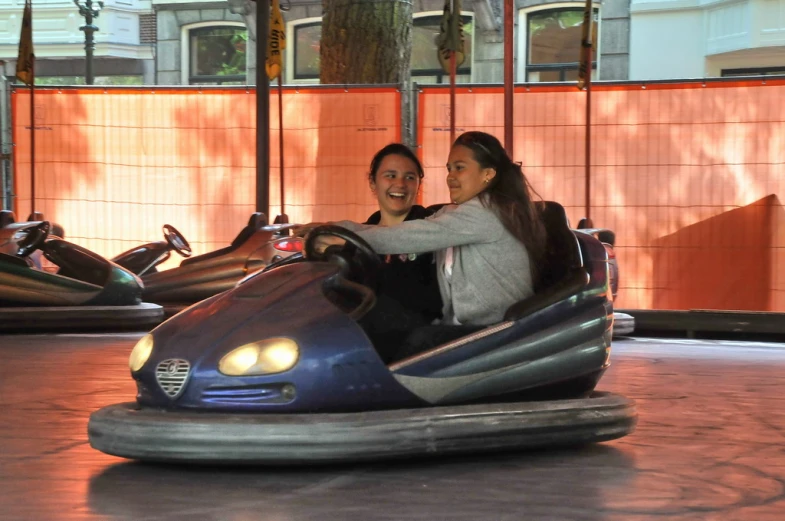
(24, 63)
(584, 63)
(276, 42)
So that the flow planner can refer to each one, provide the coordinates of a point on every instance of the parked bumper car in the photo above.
(258, 245)
(86, 292)
(279, 371)
(12, 231)
(623, 324)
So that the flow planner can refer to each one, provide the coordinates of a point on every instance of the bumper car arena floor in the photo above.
(709, 445)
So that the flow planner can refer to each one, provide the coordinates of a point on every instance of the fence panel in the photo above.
(667, 161)
(689, 175)
(114, 165)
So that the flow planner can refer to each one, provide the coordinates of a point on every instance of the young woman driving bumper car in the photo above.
(279, 369)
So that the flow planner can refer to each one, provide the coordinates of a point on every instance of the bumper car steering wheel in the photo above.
(34, 238)
(359, 265)
(363, 263)
(177, 241)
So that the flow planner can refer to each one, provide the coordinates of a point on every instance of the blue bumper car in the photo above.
(279, 371)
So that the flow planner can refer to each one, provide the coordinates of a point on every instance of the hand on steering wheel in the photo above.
(359, 265)
(322, 242)
(177, 241)
(363, 262)
(35, 238)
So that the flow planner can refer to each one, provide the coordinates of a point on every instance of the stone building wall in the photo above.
(488, 64)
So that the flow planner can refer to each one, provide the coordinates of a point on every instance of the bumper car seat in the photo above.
(257, 221)
(562, 272)
(6, 218)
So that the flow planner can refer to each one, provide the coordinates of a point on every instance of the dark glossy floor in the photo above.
(710, 445)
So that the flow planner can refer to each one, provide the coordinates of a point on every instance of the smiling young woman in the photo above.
(408, 293)
(466, 178)
(395, 181)
(488, 244)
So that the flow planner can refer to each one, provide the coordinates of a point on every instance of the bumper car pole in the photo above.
(262, 109)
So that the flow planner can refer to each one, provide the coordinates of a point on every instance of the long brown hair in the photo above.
(509, 194)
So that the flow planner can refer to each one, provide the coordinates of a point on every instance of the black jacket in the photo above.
(411, 279)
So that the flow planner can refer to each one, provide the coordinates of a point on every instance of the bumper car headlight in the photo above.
(141, 353)
(271, 356)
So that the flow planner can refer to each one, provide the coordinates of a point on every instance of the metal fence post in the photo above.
(407, 107)
(6, 175)
(414, 115)
(404, 113)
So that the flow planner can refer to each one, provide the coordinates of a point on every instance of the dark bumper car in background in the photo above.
(278, 370)
(623, 324)
(12, 231)
(196, 278)
(87, 292)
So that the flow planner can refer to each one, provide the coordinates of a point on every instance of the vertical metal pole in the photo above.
(405, 133)
(5, 142)
(588, 142)
(280, 140)
(89, 13)
(262, 109)
(453, 68)
(452, 97)
(414, 118)
(509, 79)
(32, 137)
(588, 45)
(89, 44)
(408, 112)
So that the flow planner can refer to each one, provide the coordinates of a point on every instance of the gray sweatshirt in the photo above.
(490, 268)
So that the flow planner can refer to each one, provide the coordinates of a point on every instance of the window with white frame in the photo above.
(216, 54)
(552, 44)
(305, 35)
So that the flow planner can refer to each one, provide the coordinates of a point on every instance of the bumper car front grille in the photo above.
(171, 376)
(249, 394)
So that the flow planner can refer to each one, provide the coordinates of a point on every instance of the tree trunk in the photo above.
(363, 42)
(366, 41)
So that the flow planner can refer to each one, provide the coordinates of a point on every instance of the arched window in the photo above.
(216, 54)
(553, 43)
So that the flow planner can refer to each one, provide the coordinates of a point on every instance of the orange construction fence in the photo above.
(690, 176)
(114, 165)
(664, 158)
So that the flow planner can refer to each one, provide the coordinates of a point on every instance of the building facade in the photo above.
(706, 38)
(124, 42)
(547, 41)
(192, 42)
